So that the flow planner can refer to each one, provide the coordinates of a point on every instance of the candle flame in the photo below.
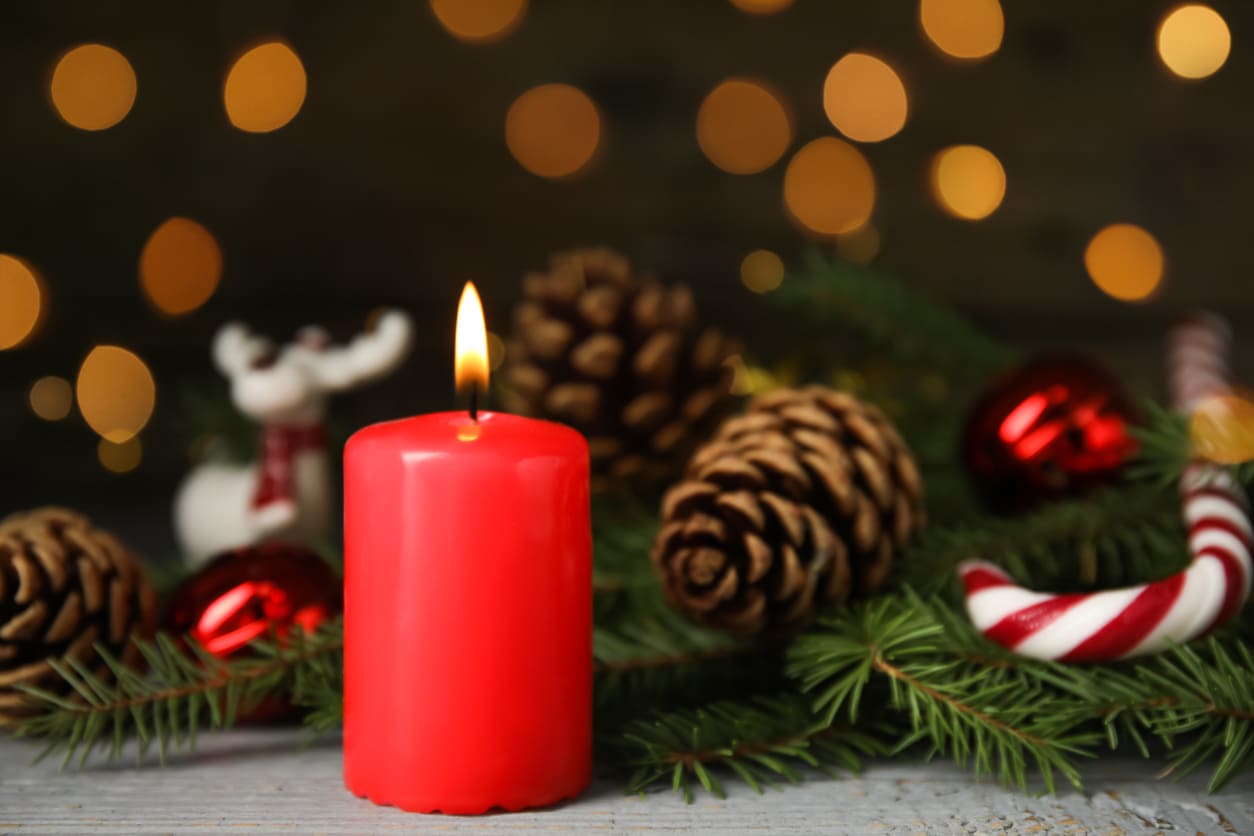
(470, 362)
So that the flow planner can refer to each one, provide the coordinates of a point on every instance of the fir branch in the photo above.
(623, 532)
(760, 740)
(898, 318)
(1166, 448)
(1199, 698)
(651, 656)
(186, 689)
(988, 717)
(647, 655)
(1120, 535)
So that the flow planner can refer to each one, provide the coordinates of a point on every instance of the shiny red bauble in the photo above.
(255, 592)
(1050, 428)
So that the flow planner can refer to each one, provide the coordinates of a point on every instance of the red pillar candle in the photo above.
(468, 612)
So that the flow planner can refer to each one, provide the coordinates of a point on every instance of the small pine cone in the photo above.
(620, 358)
(801, 501)
(64, 586)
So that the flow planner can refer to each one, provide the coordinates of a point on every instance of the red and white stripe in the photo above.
(1118, 623)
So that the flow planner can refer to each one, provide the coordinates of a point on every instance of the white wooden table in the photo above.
(263, 782)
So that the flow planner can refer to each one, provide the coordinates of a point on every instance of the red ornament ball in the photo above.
(1053, 427)
(252, 593)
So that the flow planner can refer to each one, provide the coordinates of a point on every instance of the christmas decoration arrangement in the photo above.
(1102, 626)
(786, 609)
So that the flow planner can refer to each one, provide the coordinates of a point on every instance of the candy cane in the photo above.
(1118, 623)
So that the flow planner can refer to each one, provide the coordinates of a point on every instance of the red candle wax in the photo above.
(468, 613)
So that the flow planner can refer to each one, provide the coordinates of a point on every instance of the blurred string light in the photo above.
(743, 127)
(496, 351)
(180, 266)
(553, 130)
(21, 301)
(1222, 428)
(51, 398)
(964, 29)
(761, 7)
(762, 271)
(116, 393)
(860, 246)
(120, 458)
(264, 88)
(93, 87)
(865, 98)
(748, 379)
(1194, 41)
(479, 21)
(968, 181)
(828, 187)
(1125, 262)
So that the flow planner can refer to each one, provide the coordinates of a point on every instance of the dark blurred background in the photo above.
(394, 183)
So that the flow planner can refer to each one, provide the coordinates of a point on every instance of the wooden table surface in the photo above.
(264, 782)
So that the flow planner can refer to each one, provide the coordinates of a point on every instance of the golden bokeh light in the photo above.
(1222, 428)
(1125, 262)
(51, 398)
(743, 127)
(865, 98)
(21, 301)
(116, 393)
(553, 130)
(828, 187)
(761, 7)
(860, 246)
(750, 380)
(265, 88)
(968, 181)
(1194, 41)
(496, 351)
(762, 271)
(479, 21)
(93, 87)
(180, 266)
(120, 458)
(966, 29)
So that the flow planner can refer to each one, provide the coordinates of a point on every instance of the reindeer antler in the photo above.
(235, 348)
(368, 356)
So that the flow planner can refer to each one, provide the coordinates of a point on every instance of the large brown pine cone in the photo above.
(620, 358)
(801, 501)
(65, 585)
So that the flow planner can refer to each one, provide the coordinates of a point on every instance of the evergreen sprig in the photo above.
(1197, 701)
(958, 696)
(1166, 448)
(185, 689)
(899, 319)
(1119, 535)
(645, 653)
(761, 740)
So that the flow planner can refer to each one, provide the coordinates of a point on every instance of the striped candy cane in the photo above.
(1118, 623)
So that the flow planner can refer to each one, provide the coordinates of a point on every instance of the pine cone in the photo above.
(801, 501)
(64, 586)
(621, 359)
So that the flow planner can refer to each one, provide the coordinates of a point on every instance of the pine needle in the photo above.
(902, 321)
(982, 710)
(759, 740)
(164, 706)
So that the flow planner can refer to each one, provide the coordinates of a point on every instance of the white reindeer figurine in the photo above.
(286, 493)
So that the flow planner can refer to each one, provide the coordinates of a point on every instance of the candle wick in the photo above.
(474, 402)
